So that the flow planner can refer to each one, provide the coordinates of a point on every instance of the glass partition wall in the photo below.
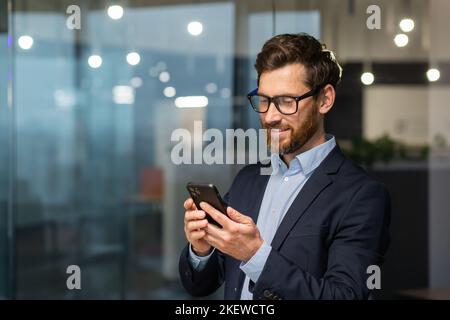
(6, 155)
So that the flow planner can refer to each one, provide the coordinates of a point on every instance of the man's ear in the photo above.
(326, 100)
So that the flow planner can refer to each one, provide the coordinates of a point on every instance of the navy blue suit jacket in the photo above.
(336, 227)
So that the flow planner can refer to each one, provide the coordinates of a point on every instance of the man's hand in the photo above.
(194, 227)
(239, 237)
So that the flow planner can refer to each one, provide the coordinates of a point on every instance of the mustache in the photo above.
(276, 127)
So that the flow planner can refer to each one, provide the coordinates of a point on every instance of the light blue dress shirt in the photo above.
(282, 188)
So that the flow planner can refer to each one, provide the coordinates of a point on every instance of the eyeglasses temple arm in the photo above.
(252, 93)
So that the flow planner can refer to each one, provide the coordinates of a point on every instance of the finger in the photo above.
(237, 216)
(214, 231)
(216, 214)
(197, 235)
(194, 225)
(194, 215)
(213, 241)
(189, 204)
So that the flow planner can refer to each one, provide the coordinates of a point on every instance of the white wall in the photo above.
(400, 111)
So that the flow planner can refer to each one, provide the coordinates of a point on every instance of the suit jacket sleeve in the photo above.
(209, 279)
(361, 240)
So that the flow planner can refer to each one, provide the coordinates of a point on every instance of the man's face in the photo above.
(295, 129)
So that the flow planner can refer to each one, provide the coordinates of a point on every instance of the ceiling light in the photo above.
(115, 12)
(433, 74)
(25, 42)
(407, 25)
(123, 95)
(164, 76)
(133, 58)
(195, 28)
(367, 78)
(169, 92)
(95, 61)
(191, 102)
(401, 40)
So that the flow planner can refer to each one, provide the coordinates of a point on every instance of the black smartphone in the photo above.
(208, 193)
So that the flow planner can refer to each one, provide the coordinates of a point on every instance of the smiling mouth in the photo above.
(279, 130)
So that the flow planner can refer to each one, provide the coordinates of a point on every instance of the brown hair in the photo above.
(321, 66)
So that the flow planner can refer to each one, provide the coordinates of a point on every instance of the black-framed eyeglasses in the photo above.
(285, 104)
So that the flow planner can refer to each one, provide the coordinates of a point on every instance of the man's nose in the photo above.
(272, 115)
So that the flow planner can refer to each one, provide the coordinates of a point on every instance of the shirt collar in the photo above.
(306, 161)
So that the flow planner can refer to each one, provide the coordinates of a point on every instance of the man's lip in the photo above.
(280, 130)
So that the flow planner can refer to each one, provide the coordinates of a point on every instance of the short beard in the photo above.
(300, 136)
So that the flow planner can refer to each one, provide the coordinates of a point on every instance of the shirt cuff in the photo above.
(198, 262)
(253, 267)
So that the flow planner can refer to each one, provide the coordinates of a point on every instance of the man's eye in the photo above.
(286, 100)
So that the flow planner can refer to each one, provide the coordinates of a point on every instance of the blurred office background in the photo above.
(86, 118)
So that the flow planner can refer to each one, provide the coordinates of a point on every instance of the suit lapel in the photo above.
(318, 181)
(259, 185)
(259, 188)
(312, 188)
